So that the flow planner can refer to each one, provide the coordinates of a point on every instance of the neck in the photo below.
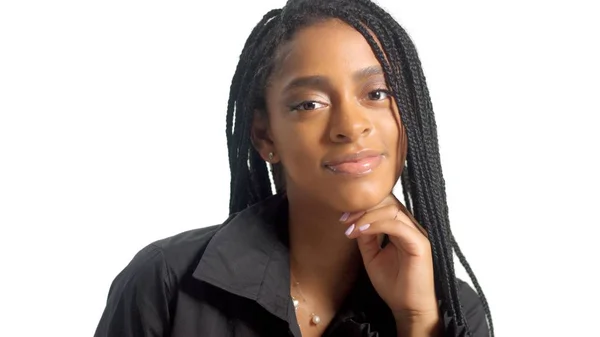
(322, 258)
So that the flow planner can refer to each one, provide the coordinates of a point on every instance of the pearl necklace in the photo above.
(314, 318)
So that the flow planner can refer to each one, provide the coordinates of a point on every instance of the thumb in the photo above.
(369, 247)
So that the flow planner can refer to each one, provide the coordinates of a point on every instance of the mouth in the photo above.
(355, 164)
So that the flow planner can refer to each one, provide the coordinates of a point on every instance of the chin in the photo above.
(358, 198)
(346, 195)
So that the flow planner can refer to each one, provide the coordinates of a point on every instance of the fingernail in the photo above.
(364, 227)
(349, 230)
(345, 217)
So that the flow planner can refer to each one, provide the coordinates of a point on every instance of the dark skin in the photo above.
(327, 97)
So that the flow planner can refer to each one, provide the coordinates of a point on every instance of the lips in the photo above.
(358, 163)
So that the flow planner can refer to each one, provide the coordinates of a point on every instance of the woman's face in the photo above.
(331, 123)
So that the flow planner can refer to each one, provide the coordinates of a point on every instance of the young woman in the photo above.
(330, 95)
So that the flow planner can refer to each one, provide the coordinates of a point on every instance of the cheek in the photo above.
(391, 133)
(394, 137)
(299, 148)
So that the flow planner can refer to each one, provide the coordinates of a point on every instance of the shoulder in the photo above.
(473, 308)
(179, 252)
(140, 296)
(177, 255)
(164, 261)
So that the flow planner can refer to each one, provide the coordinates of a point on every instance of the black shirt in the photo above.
(233, 280)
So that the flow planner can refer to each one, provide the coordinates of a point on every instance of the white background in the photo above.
(112, 135)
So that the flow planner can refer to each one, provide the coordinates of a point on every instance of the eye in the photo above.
(307, 106)
(379, 95)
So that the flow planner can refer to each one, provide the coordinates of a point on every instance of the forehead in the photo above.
(324, 47)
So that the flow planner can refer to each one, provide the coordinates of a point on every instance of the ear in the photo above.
(261, 137)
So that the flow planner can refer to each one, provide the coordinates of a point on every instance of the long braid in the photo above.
(390, 22)
(422, 179)
(450, 289)
(236, 81)
(433, 166)
(245, 178)
(434, 234)
(405, 181)
(471, 274)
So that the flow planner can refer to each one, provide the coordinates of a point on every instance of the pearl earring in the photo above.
(271, 156)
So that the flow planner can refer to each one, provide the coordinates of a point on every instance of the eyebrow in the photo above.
(322, 81)
(367, 72)
(307, 82)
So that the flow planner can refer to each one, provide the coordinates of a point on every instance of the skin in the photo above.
(337, 222)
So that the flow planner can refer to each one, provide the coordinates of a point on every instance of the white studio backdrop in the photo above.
(112, 135)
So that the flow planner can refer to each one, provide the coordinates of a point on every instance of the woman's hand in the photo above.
(402, 271)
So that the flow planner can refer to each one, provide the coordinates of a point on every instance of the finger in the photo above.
(406, 216)
(393, 211)
(401, 235)
(356, 220)
(385, 212)
(369, 247)
(350, 218)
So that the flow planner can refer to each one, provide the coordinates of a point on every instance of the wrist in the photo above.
(418, 325)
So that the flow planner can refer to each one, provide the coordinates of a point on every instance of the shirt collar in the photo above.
(249, 257)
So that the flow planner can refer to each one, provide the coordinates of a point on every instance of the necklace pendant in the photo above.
(296, 303)
(315, 319)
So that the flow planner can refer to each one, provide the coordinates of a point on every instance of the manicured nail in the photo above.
(349, 230)
(345, 217)
(364, 227)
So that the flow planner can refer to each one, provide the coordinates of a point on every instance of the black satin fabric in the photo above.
(233, 280)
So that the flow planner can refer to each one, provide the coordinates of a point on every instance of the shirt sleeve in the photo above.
(474, 313)
(139, 298)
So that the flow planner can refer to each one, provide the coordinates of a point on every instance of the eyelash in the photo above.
(298, 107)
(385, 91)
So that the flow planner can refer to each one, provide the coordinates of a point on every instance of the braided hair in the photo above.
(422, 180)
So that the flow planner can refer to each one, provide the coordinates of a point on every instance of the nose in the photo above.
(349, 123)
